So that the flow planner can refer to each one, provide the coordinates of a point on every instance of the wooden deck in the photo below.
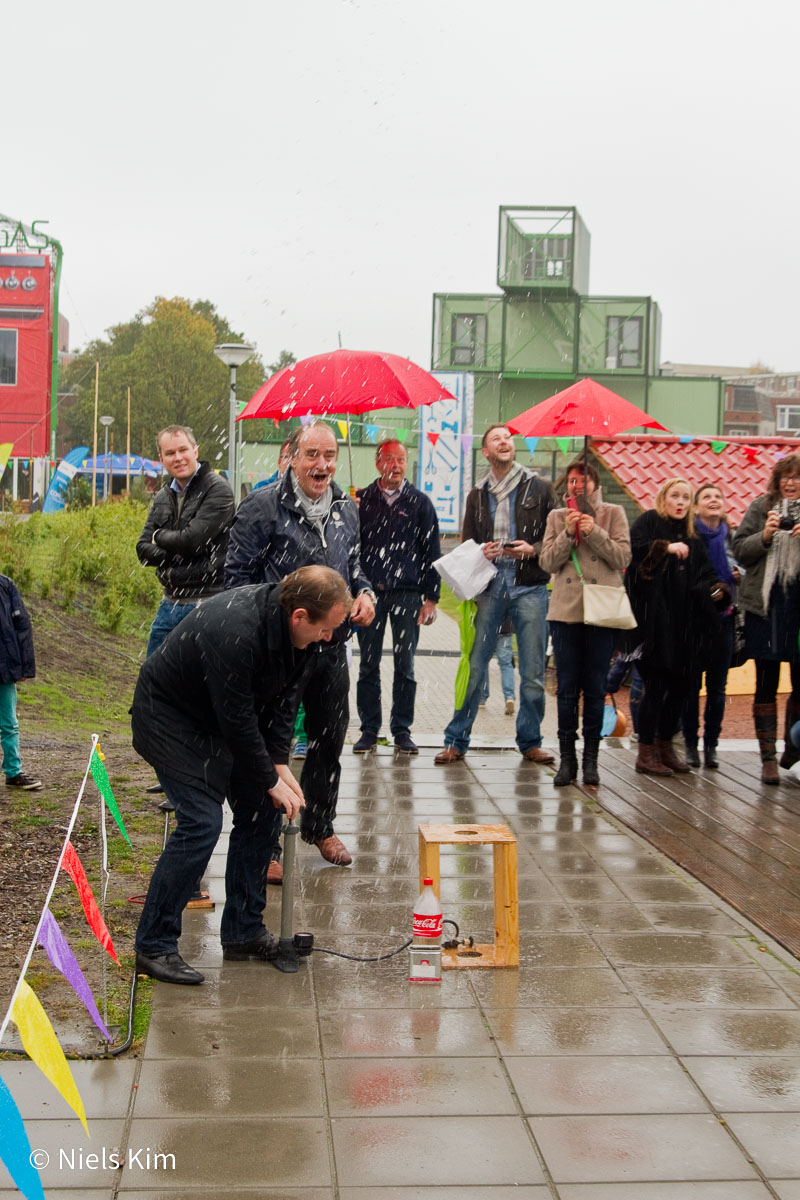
(736, 836)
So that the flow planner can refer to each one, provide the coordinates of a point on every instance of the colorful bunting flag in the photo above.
(306, 419)
(73, 866)
(564, 445)
(371, 432)
(531, 443)
(342, 428)
(751, 454)
(433, 438)
(41, 1046)
(718, 447)
(15, 1149)
(402, 435)
(100, 776)
(58, 951)
(466, 443)
(687, 437)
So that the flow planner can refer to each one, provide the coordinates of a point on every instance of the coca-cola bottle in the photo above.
(426, 949)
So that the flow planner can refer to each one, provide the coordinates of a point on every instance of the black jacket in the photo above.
(271, 537)
(16, 635)
(534, 500)
(400, 541)
(671, 597)
(207, 694)
(189, 551)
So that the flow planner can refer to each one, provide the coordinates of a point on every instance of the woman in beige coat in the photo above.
(597, 534)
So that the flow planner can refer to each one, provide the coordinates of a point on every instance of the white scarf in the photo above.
(501, 489)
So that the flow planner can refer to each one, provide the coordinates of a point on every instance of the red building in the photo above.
(26, 348)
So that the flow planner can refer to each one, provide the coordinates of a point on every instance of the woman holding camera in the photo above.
(767, 545)
(597, 536)
(675, 593)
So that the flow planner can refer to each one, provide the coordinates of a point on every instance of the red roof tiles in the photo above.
(742, 468)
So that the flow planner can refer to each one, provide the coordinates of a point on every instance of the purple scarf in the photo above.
(716, 542)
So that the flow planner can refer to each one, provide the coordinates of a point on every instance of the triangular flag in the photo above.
(751, 452)
(402, 435)
(306, 419)
(5, 454)
(466, 443)
(532, 443)
(342, 428)
(687, 437)
(58, 951)
(433, 438)
(718, 447)
(15, 1149)
(100, 776)
(73, 866)
(371, 432)
(41, 1046)
(564, 445)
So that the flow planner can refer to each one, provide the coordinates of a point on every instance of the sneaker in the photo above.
(300, 750)
(404, 745)
(509, 707)
(24, 781)
(367, 742)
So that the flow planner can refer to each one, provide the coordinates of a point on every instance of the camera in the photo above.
(789, 511)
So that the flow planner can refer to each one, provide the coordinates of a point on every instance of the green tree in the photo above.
(166, 356)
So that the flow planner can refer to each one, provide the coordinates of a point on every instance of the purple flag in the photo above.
(62, 958)
(466, 443)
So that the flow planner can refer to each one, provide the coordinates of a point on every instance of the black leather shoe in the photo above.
(264, 948)
(365, 743)
(404, 745)
(169, 968)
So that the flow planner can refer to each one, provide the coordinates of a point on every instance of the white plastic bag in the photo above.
(466, 570)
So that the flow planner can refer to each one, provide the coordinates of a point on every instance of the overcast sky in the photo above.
(323, 166)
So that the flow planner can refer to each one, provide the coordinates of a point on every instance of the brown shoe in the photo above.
(769, 772)
(333, 851)
(201, 900)
(649, 763)
(667, 755)
(538, 755)
(275, 872)
(448, 755)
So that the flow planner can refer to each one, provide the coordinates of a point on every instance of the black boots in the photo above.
(692, 757)
(590, 750)
(766, 720)
(568, 767)
(710, 759)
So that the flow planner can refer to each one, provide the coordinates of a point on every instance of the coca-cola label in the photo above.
(427, 926)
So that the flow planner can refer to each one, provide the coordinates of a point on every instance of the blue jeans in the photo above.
(582, 653)
(198, 821)
(528, 612)
(505, 659)
(401, 608)
(168, 615)
(716, 684)
(9, 730)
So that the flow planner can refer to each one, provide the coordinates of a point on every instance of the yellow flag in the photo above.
(41, 1046)
(5, 454)
(342, 428)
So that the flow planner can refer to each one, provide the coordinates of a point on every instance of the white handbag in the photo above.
(466, 570)
(607, 607)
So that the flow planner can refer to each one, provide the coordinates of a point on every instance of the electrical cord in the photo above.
(381, 957)
(108, 1053)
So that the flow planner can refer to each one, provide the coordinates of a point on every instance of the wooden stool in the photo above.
(505, 951)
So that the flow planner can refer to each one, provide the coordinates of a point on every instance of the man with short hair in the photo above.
(507, 513)
(305, 518)
(185, 535)
(399, 544)
(203, 716)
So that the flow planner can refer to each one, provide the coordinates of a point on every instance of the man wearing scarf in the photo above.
(507, 513)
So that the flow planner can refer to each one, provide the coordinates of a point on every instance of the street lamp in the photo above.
(233, 354)
(106, 422)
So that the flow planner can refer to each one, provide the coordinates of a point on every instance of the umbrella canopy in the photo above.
(586, 409)
(344, 381)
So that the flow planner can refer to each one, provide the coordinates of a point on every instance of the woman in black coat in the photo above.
(674, 591)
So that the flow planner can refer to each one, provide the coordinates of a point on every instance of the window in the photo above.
(8, 357)
(623, 341)
(20, 314)
(744, 399)
(468, 340)
(788, 416)
(547, 258)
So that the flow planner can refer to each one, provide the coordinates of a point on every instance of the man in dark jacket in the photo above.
(203, 714)
(506, 514)
(305, 518)
(185, 535)
(399, 544)
(16, 663)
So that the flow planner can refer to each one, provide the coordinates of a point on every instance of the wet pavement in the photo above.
(647, 1047)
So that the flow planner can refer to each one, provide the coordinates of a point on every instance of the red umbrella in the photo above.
(586, 409)
(344, 381)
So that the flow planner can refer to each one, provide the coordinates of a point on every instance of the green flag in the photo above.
(100, 776)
